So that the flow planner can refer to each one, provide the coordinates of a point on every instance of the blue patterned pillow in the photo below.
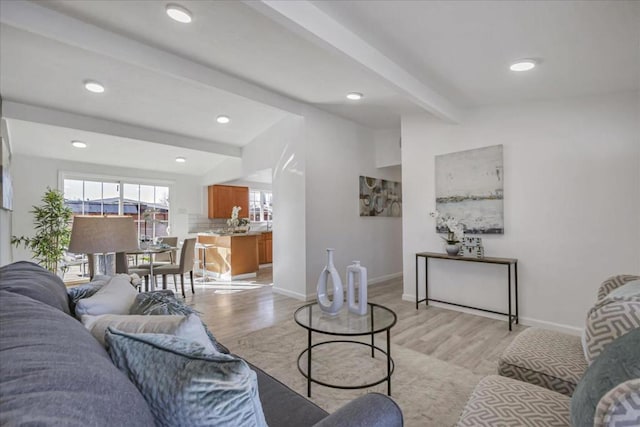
(165, 303)
(184, 384)
(618, 362)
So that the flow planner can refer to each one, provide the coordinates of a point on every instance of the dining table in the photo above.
(150, 251)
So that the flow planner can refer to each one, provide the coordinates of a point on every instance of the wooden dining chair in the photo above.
(184, 266)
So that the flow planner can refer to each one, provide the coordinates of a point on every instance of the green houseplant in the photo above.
(53, 232)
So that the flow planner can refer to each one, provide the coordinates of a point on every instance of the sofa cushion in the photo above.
(186, 385)
(546, 358)
(115, 297)
(500, 401)
(31, 280)
(54, 373)
(188, 327)
(618, 362)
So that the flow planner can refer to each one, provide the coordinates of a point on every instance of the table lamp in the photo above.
(103, 235)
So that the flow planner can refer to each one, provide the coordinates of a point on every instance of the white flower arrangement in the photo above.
(234, 221)
(455, 230)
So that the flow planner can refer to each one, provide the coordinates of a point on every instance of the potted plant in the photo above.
(53, 231)
(238, 225)
(455, 231)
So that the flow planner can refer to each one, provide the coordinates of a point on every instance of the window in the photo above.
(260, 206)
(147, 204)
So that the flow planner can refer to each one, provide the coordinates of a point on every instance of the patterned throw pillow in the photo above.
(164, 302)
(618, 363)
(184, 384)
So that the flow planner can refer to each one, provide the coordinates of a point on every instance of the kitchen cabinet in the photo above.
(229, 256)
(222, 199)
(265, 248)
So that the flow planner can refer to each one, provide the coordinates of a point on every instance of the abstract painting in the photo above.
(469, 187)
(379, 197)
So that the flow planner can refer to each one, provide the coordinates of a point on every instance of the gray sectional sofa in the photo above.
(54, 373)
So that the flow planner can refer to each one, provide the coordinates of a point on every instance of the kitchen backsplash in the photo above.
(201, 224)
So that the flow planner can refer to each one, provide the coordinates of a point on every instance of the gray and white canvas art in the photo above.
(379, 197)
(469, 187)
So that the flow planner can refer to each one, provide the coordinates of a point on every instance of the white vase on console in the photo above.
(330, 272)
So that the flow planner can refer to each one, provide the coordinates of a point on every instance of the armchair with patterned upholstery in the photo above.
(545, 377)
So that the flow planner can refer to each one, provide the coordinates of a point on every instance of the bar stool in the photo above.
(203, 266)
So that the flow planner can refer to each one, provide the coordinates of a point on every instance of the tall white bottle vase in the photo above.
(330, 272)
(357, 274)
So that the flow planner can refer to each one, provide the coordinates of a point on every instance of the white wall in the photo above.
(32, 175)
(572, 203)
(387, 147)
(338, 152)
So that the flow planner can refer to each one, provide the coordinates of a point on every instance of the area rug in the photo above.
(431, 392)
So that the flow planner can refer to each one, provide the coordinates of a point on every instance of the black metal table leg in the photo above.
(426, 281)
(388, 362)
(515, 268)
(509, 296)
(372, 337)
(417, 257)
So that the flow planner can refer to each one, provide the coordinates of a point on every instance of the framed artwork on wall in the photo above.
(470, 187)
(6, 187)
(379, 197)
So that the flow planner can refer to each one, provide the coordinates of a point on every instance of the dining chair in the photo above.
(184, 266)
(122, 266)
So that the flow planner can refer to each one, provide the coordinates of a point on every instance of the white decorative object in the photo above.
(356, 272)
(326, 305)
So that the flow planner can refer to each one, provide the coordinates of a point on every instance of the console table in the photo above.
(512, 318)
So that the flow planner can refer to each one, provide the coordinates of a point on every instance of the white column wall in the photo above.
(572, 204)
(338, 152)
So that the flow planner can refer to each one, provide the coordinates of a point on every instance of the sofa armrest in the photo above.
(370, 410)
(614, 282)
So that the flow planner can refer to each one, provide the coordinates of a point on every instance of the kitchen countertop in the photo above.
(250, 233)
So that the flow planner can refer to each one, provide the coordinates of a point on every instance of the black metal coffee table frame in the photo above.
(372, 332)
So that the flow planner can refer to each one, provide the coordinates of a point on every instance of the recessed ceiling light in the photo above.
(180, 159)
(223, 120)
(178, 13)
(523, 65)
(93, 86)
(354, 96)
(79, 144)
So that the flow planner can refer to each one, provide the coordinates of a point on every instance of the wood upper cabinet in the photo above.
(222, 199)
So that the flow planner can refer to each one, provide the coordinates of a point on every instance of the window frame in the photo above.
(121, 181)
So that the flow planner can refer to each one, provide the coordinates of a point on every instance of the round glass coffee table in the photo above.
(346, 324)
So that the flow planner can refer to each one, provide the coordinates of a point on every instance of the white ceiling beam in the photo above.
(49, 116)
(303, 17)
(40, 20)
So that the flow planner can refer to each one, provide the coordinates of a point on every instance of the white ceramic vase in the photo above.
(357, 274)
(330, 272)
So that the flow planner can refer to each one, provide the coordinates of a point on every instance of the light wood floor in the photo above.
(466, 340)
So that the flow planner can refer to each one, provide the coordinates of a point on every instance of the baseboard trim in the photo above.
(384, 278)
(288, 293)
(527, 321)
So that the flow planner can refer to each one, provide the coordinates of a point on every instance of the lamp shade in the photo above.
(102, 234)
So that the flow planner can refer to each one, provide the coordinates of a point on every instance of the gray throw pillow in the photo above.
(618, 362)
(165, 303)
(184, 384)
(87, 290)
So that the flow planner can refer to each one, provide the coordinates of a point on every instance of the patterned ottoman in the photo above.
(546, 358)
(500, 401)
